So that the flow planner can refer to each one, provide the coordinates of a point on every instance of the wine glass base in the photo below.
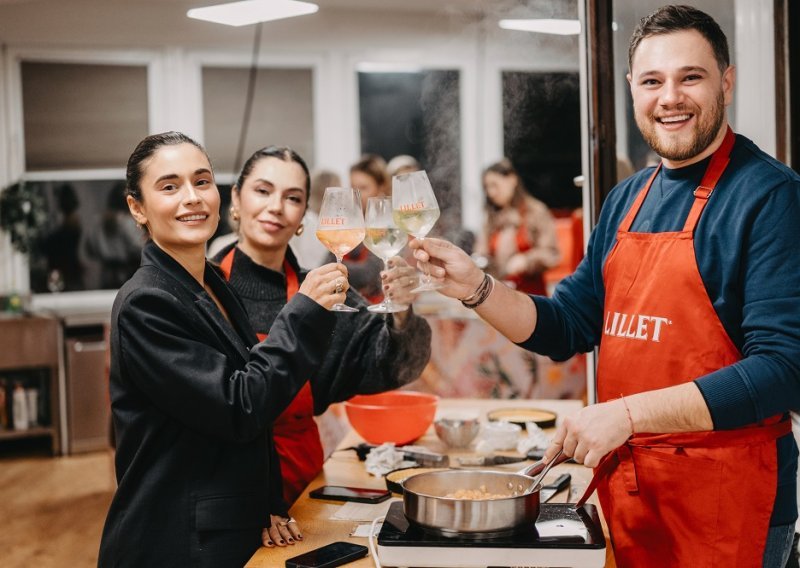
(387, 308)
(342, 308)
(425, 287)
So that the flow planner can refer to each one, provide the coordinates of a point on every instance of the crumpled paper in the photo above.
(385, 458)
(536, 439)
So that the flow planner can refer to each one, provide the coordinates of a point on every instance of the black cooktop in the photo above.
(397, 531)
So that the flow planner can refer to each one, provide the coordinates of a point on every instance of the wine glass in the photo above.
(415, 211)
(385, 240)
(341, 225)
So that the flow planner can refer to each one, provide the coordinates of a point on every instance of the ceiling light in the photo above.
(252, 11)
(558, 27)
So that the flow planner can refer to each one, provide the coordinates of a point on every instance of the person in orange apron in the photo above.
(689, 287)
(367, 354)
(519, 235)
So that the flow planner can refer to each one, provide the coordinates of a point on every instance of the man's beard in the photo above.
(703, 134)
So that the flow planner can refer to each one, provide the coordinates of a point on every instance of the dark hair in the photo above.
(144, 150)
(374, 166)
(282, 153)
(504, 168)
(669, 19)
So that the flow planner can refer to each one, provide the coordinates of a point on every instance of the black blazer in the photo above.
(193, 398)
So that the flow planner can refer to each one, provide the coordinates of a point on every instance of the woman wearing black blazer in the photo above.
(193, 393)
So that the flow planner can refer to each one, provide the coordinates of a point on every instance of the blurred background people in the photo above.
(61, 246)
(402, 164)
(519, 237)
(116, 243)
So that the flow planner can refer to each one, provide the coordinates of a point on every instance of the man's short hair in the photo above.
(669, 19)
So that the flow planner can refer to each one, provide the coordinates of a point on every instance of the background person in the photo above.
(193, 393)
(689, 288)
(519, 235)
(368, 353)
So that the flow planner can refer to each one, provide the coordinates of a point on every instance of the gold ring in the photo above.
(339, 287)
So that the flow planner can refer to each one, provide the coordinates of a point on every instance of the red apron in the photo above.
(527, 283)
(295, 431)
(690, 499)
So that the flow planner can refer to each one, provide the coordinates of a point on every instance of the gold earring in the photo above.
(300, 230)
(235, 214)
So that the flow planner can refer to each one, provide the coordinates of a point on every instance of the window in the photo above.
(417, 113)
(82, 116)
(282, 113)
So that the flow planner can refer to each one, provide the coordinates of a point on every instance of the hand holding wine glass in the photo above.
(385, 240)
(341, 226)
(415, 211)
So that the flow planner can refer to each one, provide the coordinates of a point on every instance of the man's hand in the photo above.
(449, 265)
(592, 433)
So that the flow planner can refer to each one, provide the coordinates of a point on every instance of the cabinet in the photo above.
(31, 355)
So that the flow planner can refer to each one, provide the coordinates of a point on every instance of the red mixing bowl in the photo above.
(396, 416)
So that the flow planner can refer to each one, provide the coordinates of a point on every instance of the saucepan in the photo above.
(428, 501)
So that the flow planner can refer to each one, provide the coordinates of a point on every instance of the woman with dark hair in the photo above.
(368, 353)
(193, 392)
(519, 236)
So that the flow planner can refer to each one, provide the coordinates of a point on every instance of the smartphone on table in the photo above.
(357, 494)
(328, 556)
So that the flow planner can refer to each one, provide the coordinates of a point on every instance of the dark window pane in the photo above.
(542, 134)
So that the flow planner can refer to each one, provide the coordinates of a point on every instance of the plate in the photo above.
(542, 418)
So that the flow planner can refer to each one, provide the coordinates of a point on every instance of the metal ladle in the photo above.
(541, 469)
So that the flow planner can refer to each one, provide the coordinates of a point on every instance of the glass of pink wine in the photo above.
(416, 211)
(341, 225)
(385, 240)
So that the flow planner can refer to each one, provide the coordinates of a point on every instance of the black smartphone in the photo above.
(357, 494)
(328, 556)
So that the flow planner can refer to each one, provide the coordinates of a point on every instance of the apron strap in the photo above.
(714, 171)
(625, 226)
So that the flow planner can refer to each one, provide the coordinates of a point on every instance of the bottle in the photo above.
(32, 397)
(3, 405)
(20, 408)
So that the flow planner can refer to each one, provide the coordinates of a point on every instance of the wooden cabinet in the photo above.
(31, 354)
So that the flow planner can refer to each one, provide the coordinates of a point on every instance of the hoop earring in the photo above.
(300, 230)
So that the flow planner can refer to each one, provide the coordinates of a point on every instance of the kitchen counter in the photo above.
(343, 468)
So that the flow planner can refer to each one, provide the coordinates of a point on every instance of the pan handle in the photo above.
(536, 468)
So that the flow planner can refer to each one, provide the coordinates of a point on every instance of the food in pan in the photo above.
(479, 493)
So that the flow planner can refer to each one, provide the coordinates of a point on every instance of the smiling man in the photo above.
(691, 289)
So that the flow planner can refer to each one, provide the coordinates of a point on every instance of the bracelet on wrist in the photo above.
(475, 293)
(481, 294)
(628, 412)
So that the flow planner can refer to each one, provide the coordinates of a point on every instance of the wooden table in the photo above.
(343, 468)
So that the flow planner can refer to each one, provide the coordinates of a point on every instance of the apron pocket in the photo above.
(677, 503)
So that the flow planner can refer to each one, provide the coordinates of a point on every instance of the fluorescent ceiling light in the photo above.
(558, 27)
(252, 11)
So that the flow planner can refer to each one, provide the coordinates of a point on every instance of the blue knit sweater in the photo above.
(747, 245)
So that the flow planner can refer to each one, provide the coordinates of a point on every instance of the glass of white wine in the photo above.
(416, 211)
(341, 225)
(385, 240)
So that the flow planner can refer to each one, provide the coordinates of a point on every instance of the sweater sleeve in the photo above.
(766, 381)
(369, 355)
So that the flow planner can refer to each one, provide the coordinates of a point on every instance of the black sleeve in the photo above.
(173, 360)
(368, 355)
